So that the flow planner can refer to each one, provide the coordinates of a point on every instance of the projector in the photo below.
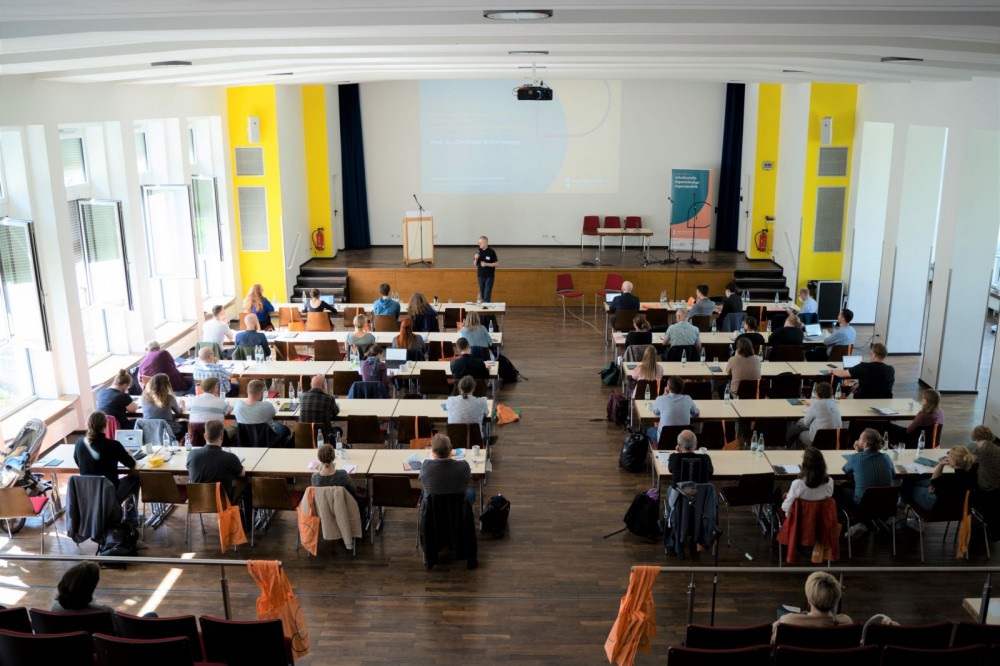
(537, 93)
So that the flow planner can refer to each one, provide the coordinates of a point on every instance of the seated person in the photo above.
(254, 409)
(425, 318)
(477, 334)
(158, 402)
(822, 595)
(792, 333)
(407, 339)
(925, 493)
(159, 360)
(208, 366)
(625, 300)
(682, 333)
(252, 337)
(465, 407)
(208, 405)
(256, 304)
(744, 365)
(210, 464)
(732, 304)
(328, 474)
(640, 333)
(845, 334)
(359, 337)
(647, 370)
(823, 413)
(868, 468)
(317, 304)
(466, 363)
(685, 456)
(813, 483)
(444, 475)
(115, 401)
(374, 369)
(930, 414)
(75, 591)
(875, 378)
(703, 305)
(809, 304)
(750, 333)
(385, 305)
(217, 328)
(317, 406)
(987, 453)
(674, 407)
(96, 455)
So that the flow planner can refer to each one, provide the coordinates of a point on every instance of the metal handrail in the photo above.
(172, 561)
(984, 602)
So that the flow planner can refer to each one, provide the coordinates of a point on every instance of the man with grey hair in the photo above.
(683, 333)
(255, 410)
(159, 360)
(208, 366)
(686, 464)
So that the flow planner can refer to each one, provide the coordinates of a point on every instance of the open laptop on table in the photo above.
(132, 441)
(395, 358)
(851, 361)
(814, 332)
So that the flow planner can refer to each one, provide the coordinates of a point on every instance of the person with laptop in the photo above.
(791, 334)
(96, 455)
(875, 378)
(317, 304)
(809, 304)
(407, 339)
(625, 300)
(845, 334)
(374, 369)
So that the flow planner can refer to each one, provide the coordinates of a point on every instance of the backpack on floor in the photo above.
(610, 374)
(120, 541)
(635, 449)
(507, 372)
(643, 516)
(494, 518)
(617, 408)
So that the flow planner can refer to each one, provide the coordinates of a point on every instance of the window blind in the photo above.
(74, 165)
(104, 257)
(207, 232)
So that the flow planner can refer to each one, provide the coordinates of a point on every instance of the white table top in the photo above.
(726, 464)
(711, 410)
(382, 408)
(389, 462)
(296, 462)
(432, 409)
(288, 369)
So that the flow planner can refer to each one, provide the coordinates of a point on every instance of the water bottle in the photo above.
(703, 356)
(479, 299)
(305, 299)
(727, 395)
(491, 327)
(836, 394)
(258, 354)
(714, 327)
(165, 440)
(684, 357)
(760, 445)
(663, 296)
(768, 325)
(292, 395)
(187, 442)
(921, 443)
(885, 440)
(319, 438)
(339, 445)
(753, 441)
(775, 298)
(647, 396)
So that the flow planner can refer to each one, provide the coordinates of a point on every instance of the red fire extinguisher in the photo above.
(318, 240)
(761, 240)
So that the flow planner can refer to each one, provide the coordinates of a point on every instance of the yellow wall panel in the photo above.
(264, 267)
(765, 182)
(317, 166)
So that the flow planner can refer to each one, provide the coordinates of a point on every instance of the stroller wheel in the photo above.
(15, 524)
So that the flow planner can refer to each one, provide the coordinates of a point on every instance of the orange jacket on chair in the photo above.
(812, 523)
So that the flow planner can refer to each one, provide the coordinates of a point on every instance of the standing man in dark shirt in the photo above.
(875, 379)
(485, 262)
(210, 464)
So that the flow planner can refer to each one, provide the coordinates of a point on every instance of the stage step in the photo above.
(318, 274)
(761, 284)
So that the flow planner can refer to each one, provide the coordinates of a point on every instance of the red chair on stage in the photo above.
(612, 285)
(591, 223)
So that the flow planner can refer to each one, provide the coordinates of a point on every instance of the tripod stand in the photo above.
(693, 221)
(420, 232)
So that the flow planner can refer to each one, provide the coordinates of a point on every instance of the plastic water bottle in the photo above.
(319, 438)
(885, 440)
(703, 356)
(165, 440)
(339, 445)
(753, 441)
(305, 299)
(768, 325)
(775, 298)
(188, 446)
(663, 296)
(760, 445)
(491, 327)
(837, 394)
(258, 354)
(647, 396)
(292, 395)
(921, 443)
(714, 327)
(479, 299)
(684, 357)
(727, 395)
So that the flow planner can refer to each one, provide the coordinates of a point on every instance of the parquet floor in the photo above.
(549, 591)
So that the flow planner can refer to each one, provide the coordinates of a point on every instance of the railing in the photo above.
(984, 602)
(171, 561)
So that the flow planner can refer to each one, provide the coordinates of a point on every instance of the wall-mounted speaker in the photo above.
(826, 131)
(253, 129)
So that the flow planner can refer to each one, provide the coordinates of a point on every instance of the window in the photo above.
(141, 153)
(73, 162)
(3, 185)
(98, 233)
(169, 241)
(192, 146)
(20, 293)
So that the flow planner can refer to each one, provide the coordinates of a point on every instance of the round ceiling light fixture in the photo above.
(517, 14)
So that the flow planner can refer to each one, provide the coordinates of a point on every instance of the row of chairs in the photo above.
(865, 655)
(591, 223)
(28, 637)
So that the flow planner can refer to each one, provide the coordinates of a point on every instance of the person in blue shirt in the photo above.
(260, 306)
(809, 305)
(845, 335)
(252, 336)
(385, 305)
(868, 468)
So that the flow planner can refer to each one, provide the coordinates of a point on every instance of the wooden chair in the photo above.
(392, 491)
(385, 323)
(15, 503)
(659, 316)
(201, 500)
(753, 490)
(623, 319)
(465, 435)
(342, 380)
(827, 439)
(877, 504)
(787, 353)
(327, 350)
(349, 315)
(304, 435)
(364, 429)
(412, 428)
(453, 318)
(287, 315)
(702, 322)
(159, 489)
(434, 382)
(318, 321)
(784, 386)
(666, 437)
(716, 435)
(112, 651)
(565, 289)
(271, 494)
(440, 351)
(240, 320)
(838, 352)
(948, 509)
(748, 389)
(698, 390)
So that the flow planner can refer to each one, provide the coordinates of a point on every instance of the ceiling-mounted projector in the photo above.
(536, 92)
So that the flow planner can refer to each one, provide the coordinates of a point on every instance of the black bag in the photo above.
(635, 449)
(134, 388)
(507, 372)
(610, 374)
(617, 408)
(494, 518)
(120, 541)
(643, 517)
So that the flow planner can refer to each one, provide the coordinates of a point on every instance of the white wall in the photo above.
(791, 178)
(749, 164)
(294, 190)
(665, 125)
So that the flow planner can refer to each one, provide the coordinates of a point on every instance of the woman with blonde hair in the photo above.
(648, 369)
(97, 455)
(260, 306)
(925, 493)
(823, 594)
(476, 333)
(424, 316)
(158, 402)
(359, 337)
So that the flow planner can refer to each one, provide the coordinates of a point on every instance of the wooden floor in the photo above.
(549, 591)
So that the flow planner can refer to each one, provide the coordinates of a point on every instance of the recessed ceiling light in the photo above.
(900, 59)
(171, 63)
(281, 74)
(794, 71)
(517, 14)
(527, 53)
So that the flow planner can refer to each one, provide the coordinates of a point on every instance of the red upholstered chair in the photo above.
(862, 655)
(759, 655)
(612, 285)
(839, 637)
(52, 622)
(631, 222)
(16, 619)
(564, 290)
(145, 628)
(591, 223)
(69, 649)
(705, 637)
(936, 636)
(245, 643)
(112, 651)
(612, 222)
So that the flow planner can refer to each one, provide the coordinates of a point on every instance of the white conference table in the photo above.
(642, 233)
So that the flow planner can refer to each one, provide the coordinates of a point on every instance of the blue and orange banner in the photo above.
(691, 211)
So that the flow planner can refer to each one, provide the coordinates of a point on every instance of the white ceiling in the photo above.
(238, 42)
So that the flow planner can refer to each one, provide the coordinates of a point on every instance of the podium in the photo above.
(418, 237)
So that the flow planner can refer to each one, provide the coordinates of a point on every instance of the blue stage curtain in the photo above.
(727, 229)
(357, 235)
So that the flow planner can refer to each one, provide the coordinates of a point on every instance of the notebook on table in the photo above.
(395, 358)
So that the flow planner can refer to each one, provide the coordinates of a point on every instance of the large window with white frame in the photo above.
(98, 233)
(169, 242)
(209, 245)
(23, 324)
(74, 161)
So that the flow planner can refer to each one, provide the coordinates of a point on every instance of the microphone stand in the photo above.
(670, 258)
(692, 216)
(420, 230)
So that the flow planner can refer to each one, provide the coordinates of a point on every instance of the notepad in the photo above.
(787, 469)
(884, 411)
(927, 462)
(715, 368)
(350, 469)
(55, 462)
(289, 407)
(794, 401)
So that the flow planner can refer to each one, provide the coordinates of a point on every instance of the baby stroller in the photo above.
(18, 456)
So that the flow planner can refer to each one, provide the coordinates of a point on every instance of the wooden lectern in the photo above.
(418, 237)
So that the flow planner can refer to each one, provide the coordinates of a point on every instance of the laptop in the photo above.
(395, 358)
(851, 361)
(329, 299)
(814, 331)
(130, 439)
(610, 296)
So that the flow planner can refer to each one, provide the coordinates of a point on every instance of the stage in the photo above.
(527, 275)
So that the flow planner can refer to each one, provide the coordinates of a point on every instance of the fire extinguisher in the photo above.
(318, 240)
(761, 239)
